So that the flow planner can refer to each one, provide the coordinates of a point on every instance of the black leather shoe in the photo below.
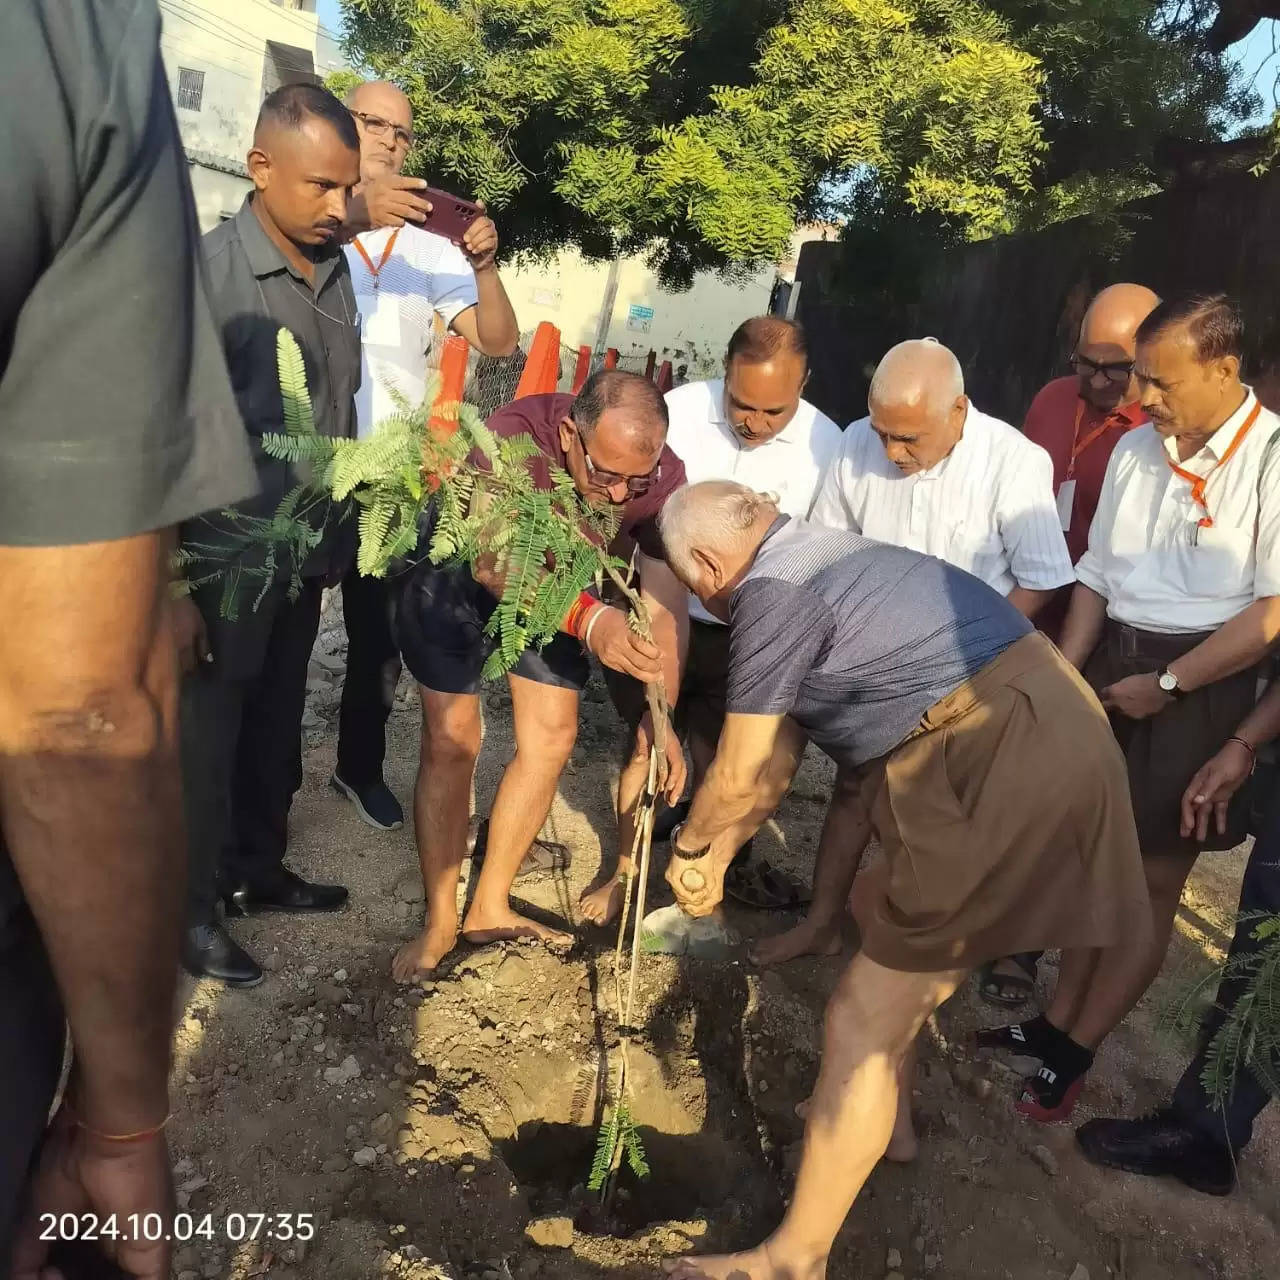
(209, 951)
(286, 892)
(1161, 1146)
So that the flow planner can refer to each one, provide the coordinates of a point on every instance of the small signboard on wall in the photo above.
(543, 297)
(639, 318)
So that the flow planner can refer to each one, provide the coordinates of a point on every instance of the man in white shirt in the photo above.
(411, 285)
(928, 471)
(1178, 602)
(753, 426)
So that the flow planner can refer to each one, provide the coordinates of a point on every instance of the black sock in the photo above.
(1062, 1066)
(1034, 1038)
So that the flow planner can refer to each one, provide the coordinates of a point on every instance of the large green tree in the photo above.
(704, 129)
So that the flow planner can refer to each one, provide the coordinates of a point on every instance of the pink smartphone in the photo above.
(450, 215)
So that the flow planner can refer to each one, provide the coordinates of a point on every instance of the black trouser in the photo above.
(1260, 892)
(242, 743)
(31, 1042)
(369, 688)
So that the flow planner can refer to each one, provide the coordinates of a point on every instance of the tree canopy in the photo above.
(703, 130)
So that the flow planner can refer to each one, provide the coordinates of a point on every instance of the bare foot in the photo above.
(759, 1264)
(601, 906)
(903, 1146)
(508, 926)
(806, 939)
(418, 959)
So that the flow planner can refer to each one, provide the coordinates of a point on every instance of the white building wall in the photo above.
(227, 41)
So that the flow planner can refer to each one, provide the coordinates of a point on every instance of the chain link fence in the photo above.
(492, 381)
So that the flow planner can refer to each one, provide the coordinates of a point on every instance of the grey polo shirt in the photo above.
(256, 292)
(856, 639)
(116, 415)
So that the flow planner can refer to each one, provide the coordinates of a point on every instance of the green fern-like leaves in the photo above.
(606, 1145)
(298, 417)
(1249, 1037)
(617, 1131)
(475, 492)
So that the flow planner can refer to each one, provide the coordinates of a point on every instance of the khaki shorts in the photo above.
(1005, 822)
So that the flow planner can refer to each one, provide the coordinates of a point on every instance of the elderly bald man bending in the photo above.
(984, 760)
(928, 471)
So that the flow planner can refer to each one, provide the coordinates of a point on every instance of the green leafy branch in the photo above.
(432, 481)
(1248, 1038)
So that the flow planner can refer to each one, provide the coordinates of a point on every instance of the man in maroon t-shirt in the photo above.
(611, 440)
(1078, 420)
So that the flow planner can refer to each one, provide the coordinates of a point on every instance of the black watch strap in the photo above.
(685, 853)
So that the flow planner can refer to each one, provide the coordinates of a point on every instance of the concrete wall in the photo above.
(1011, 308)
(691, 327)
(235, 43)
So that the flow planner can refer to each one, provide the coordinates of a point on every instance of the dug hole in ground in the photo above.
(448, 1130)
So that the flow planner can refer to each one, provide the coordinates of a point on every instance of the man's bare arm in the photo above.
(490, 326)
(756, 758)
(1029, 602)
(1083, 626)
(1236, 645)
(668, 604)
(91, 804)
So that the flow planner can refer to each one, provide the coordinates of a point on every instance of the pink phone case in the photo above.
(450, 215)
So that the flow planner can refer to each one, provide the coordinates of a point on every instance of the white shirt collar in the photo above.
(790, 434)
(1218, 443)
(967, 432)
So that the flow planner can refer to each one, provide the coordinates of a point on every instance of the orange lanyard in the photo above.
(375, 272)
(1200, 483)
(1078, 446)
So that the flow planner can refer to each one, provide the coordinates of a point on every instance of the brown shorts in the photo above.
(1165, 752)
(1005, 823)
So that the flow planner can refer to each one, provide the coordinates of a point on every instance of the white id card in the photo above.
(381, 315)
(1066, 504)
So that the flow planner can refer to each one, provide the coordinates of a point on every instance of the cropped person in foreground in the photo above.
(983, 759)
(117, 421)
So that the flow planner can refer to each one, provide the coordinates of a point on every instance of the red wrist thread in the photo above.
(577, 615)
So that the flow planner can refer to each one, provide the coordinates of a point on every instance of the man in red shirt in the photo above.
(611, 439)
(1078, 420)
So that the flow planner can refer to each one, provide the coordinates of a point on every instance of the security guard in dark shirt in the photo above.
(276, 264)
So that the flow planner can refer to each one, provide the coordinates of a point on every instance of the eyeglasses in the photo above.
(1113, 371)
(598, 478)
(377, 126)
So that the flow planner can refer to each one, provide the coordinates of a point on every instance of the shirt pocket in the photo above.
(971, 545)
(1219, 562)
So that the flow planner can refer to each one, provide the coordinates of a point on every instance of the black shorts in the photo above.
(440, 616)
(700, 707)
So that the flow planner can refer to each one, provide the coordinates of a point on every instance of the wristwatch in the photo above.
(689, 855)
(1169, 683)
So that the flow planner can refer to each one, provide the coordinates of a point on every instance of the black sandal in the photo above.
(758, 885)
(545, 857)
(1009, 990)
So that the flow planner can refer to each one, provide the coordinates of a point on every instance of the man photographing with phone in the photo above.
(412, 284)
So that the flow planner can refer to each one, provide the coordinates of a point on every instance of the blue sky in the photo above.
(330, 12)
(1258, 57)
